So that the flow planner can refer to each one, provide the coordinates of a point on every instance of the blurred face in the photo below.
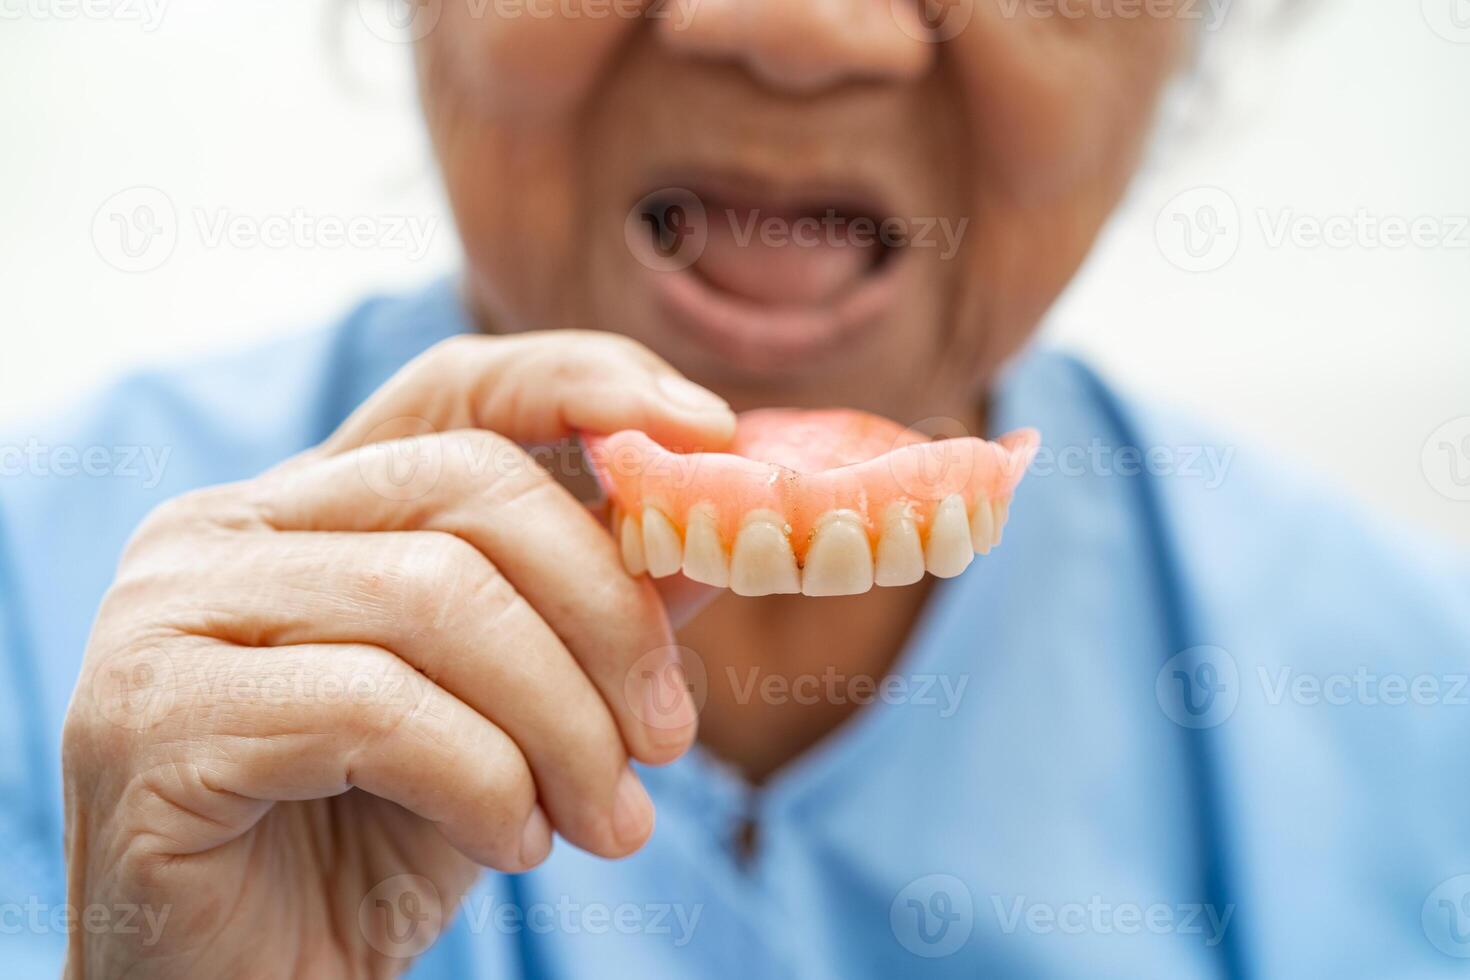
(860, 203)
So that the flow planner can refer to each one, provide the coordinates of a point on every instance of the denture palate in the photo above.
(821, 503)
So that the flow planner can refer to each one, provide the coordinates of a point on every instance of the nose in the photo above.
(806, 45)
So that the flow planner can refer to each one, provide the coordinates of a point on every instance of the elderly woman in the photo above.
(367, 637)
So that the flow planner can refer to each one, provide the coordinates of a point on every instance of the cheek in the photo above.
(527, 67)
(1059, 110)
(502, 97)
(1058, 103)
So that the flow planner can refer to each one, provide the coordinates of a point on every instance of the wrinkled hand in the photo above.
(327, 695)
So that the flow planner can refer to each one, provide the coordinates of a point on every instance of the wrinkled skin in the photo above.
(331, 690)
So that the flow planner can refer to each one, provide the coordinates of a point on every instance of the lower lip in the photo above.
(769, 339)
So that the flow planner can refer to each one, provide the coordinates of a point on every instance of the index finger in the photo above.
(540, 387)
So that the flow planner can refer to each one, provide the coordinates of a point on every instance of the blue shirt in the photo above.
(1193, 719)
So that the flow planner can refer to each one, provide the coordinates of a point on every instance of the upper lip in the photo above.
(814, 194)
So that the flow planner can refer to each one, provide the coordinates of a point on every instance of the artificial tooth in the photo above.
(661, 548)
(630, 536)
(1002, 509)
(762, 562)
(982, 527)
(839, 560)
(949, 551)
(900, 555)
(704, 554)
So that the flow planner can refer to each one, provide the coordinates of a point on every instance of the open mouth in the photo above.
(768, 278)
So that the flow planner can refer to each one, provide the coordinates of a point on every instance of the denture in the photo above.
(821, 503)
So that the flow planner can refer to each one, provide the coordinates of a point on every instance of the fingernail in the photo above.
(686, 393)
(668, 704)
(535, 838)
(632, 811)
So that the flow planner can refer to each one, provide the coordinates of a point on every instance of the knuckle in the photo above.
(439, 574)
(196, 511)
(373, 721)
(508, 780)
(452, 349)
(485, 466)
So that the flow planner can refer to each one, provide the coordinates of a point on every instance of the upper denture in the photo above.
(820, 502)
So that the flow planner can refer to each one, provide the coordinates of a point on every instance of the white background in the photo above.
(1351, 359)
